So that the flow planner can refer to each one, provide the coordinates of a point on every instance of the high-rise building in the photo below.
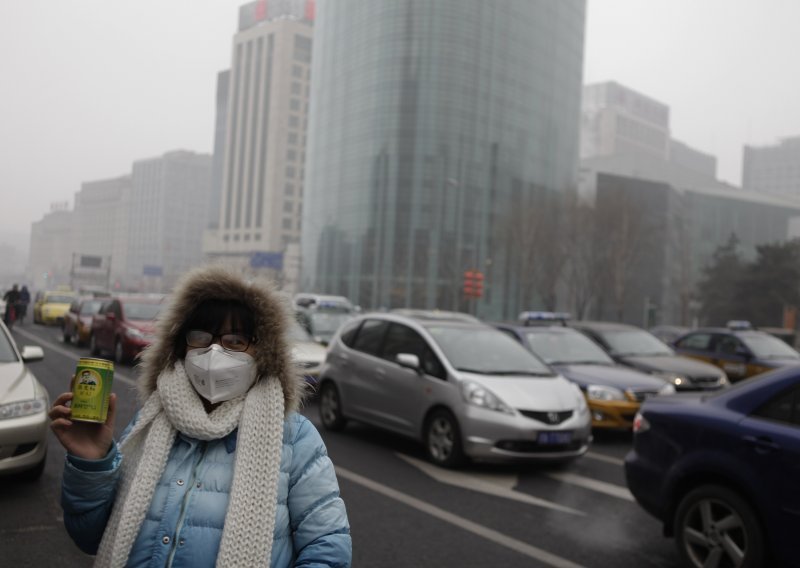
(220, 135)
(51, 249)
(432, 124)
(168, 210)
(773, 169)
(265, 129)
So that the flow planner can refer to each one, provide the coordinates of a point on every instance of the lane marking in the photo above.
(593, 484)
(498, 485)
(484, 532)
(117, 375)
(604, 458)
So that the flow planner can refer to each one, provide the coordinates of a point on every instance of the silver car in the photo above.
(23, 410)
(463, 388)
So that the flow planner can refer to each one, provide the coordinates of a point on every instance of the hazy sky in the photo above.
(89, 86)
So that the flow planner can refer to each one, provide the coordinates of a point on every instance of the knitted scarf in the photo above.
(176, 407)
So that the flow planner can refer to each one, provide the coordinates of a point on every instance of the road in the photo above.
(402, 511)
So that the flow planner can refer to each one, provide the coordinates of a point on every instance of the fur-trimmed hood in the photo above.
(271, 314)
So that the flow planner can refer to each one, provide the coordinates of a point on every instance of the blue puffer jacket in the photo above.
(183, 527)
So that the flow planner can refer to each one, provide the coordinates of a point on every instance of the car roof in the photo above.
(552, 328)
(425, 316)
(603, 326)
(726, 330)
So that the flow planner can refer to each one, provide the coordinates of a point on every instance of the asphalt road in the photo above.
(402, 511)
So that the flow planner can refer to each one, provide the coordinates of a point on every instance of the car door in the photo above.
(771, 444)
(403, 395)
(731, 355)
(365, 364)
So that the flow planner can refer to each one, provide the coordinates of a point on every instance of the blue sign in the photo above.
(150, 270)
(267, 260)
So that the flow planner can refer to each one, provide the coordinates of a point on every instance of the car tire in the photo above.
(119, 353)
(35, 472)
(330, 408)
(442, 438)
(93, 349)
(713, 521)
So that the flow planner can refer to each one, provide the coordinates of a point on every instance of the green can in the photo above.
(92, 389)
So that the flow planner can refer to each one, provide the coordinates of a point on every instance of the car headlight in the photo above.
(723, 380)
(22, 408)
(478, 395)
(134, 333)
(674, 378)
(667, 389)
(601, 392)
(580, 399)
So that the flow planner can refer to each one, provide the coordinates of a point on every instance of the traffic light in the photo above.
(473, 284)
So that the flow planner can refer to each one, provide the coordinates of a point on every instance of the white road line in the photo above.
(604, 458)
(479, 530)
(589, 483)
(117, 375)
(499, 485)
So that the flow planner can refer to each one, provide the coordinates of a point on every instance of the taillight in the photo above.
(640, 424)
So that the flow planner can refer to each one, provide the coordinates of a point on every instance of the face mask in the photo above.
(218, 374)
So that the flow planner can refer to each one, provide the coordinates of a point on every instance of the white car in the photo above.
(307, 354)
(23, 410)
(461, 387)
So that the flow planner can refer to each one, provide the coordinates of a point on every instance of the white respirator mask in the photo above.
(218, 374)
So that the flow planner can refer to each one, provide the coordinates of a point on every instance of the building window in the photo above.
(302, 48)
(236, 238)
(290, 172)
(257, 237)
(287, 224)
(247, 237)
(292, 138)
(291, 155)
(297, 71)
(288, 206)
(294, 121)
(288, 189)
(297, 88)
(294, 104)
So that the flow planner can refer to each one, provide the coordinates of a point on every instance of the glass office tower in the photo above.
(431, 123)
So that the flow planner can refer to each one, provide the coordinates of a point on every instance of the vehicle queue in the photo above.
(532, 390)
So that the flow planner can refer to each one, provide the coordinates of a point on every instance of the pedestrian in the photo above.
(22, 303)
(217, 468)
(11, 298)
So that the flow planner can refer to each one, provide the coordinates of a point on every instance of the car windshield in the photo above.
(765, 346)
(59, 299)
(7, 354)
(635, 342)
(327, 322)
(297, 334)
(486, 351)
(141, 311)
(566, 348)
(91, 308)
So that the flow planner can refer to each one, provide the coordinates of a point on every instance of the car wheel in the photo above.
(36, 472)
(119, 354)
(715, 527)
(443, 439)
(330, 408)
(93, 346)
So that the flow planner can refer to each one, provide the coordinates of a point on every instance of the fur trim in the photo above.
(271, 310)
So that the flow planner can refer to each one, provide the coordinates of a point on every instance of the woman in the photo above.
(216, 468)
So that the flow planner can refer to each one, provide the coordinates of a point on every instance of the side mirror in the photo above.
(408, 360)
(32, 353)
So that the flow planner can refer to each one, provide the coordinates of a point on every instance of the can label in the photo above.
(92, 389)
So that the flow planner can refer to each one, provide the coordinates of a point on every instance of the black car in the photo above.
(639, 349)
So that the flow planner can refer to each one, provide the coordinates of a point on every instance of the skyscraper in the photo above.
(773, 169)
(431, 124)
(264, 132)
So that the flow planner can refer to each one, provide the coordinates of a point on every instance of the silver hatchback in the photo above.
(463, 388)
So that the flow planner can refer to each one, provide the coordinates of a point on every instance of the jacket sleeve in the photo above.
(88, 490)
(321, 532)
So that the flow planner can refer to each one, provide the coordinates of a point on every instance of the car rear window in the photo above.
(141, 311)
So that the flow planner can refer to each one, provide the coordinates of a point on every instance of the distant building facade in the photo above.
(432, 124)
(773, 169)
(51, 248)
(261, 195)
(220, 135)
(168, 210)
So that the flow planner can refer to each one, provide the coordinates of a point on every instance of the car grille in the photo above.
(709, 381)
(530, 447)
(547, 417)
(641, 395)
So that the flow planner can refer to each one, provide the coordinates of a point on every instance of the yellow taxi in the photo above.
(738, 349)
(51, 307)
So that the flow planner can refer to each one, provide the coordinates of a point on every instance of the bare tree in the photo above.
(583, 265)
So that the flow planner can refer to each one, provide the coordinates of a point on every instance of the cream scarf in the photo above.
(176, 407)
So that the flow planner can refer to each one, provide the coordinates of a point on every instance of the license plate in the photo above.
(554, 438)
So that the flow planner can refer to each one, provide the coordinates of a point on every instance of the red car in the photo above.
(77, 326)
(125, 325)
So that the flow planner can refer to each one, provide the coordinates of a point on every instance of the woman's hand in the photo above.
(87, 440)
